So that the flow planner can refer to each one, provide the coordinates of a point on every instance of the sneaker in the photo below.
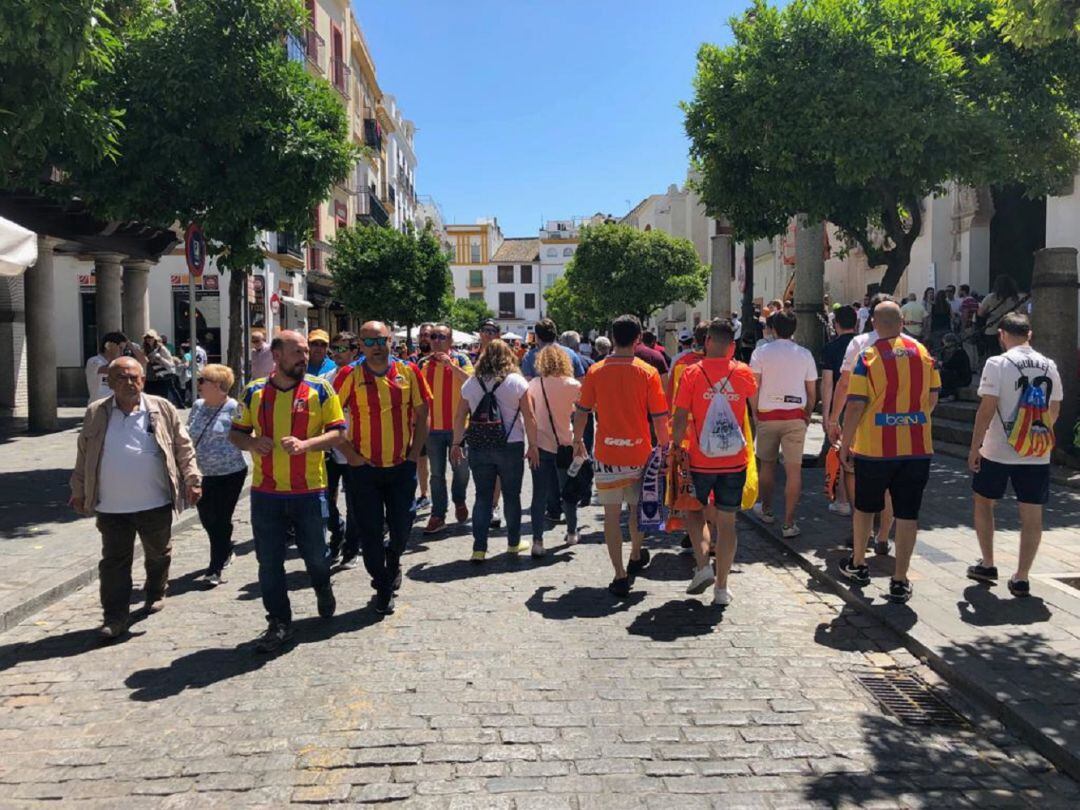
(881, 547)
(859, 574)
(721, 596)
(461, 513)
(496, 518)
(790, 530)
(110, 631)
(763, 514)
(384, 604)
(899, 591)
(703, 578)
(275, 637)
(635, 567)
(155, 605)
(521, 547)
(214, 579)
(1020, 588)
(983, 573)
(423, 502)
(435, 525)
(838, 508)
(572, 538)
(478, 557)
(620, 587)
(349, 563)
(325, 598)
(537, 549)
(397, 582)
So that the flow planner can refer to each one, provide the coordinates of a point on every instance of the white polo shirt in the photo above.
(132, 476)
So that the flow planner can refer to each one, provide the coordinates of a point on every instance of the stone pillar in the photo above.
(107, 293)
(1054, 314)
(720, 284)
(136, 304)
(41, 340)
(809, 282)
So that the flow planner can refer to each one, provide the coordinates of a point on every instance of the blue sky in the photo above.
(528, 110)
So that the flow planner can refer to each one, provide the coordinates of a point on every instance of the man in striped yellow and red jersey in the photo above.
(387, 401)
(445, 371)
(287, 421)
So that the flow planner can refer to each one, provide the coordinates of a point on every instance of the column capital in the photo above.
(138, 264)
(46, 242)
(108, 258)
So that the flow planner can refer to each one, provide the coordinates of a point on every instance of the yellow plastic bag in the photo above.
(750, 488)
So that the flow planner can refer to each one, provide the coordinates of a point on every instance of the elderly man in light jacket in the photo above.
(135, 468)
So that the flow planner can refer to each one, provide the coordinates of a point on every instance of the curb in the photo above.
(1064, 759)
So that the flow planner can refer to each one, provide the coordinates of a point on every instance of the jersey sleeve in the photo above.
(851, 355)
(755, 361)
(658, 405)
(749, 381)
(333, 418)
(859, 386)
(465, 364)
(934, 366)
(811, 368)
(421, 392)
(242, 419)
(587, 400)
(684, 396)
(990, 382)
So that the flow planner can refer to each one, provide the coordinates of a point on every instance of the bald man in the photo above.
(135, 467)
(887, 440)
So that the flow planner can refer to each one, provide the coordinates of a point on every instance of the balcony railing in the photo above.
(340, 76)
(372, 133)
(369, 210)
(288, 244)
(314, 44)
(393, 195)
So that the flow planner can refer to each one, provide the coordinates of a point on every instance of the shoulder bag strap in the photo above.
(551, 418)
(209, 423)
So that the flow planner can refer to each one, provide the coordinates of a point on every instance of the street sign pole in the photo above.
(192, 340)
(195, 253)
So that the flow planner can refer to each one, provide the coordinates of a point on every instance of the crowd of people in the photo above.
(687, 441)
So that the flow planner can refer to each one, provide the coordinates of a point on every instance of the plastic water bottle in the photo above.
(575, 467)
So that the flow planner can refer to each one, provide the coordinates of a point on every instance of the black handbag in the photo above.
(564, 453)
(578, 488)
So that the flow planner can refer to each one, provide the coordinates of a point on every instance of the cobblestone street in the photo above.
(520, 684)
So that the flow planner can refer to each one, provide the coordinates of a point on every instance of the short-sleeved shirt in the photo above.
(715, 376)
(322, 369)
(1001, 379)
(508, 396)
(914, 314)
(894, 377)
(678, 369)
(832, 354)
(381, 409)
(561, 393)
(306, 411)
(855, 348)
(652, 357)
(785, 368)
(528, 362)
(445, 389)
(625, 393)
(209, 429)
(97, 378)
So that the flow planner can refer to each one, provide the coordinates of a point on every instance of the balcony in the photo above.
(288, 244)
(372, 134)
(313, 49)
(370, 211)
(340, 76)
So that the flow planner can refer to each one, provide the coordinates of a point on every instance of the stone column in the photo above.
(809, 282)
(107, 293)
(1054, 287)
(720, 284)
(41, 340)
(136, 304)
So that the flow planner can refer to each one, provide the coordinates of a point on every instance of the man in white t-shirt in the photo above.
(994, 460)
(113, 345)
(786, 377)
(864, 313)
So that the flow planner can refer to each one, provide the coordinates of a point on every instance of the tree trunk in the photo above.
(894, 270)
(237, 281)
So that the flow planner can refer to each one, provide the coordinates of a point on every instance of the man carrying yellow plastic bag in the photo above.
(711, 411)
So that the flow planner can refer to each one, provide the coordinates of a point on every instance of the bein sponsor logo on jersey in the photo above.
(900, 419)
(612, 441)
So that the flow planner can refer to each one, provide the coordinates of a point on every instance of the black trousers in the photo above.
(216, 507)
(344, 534)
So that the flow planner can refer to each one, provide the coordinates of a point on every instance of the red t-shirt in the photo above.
(715, 376)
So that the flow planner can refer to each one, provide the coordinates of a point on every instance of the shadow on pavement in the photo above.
(497, 564)
(683, 618)
(294, 581)
(981, 607)
(204, 668)
(33, 498)
(580, 603)
(65, 645)
(669, 566)
(851, 631)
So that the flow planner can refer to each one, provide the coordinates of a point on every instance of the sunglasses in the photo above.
(376, 341)
(341, 348)
(440, 338)
(490, 331)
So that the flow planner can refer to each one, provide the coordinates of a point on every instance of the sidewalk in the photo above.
(46, 549)
(1019, 657)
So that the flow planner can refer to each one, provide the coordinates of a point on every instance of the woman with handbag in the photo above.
(553, 393)
(221, 463)
(495, 403)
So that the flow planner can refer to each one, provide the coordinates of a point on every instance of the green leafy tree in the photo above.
(385, 274)
(618, 269)
(855, 110)
(467, 314)
(220, 127)
(1038, 22)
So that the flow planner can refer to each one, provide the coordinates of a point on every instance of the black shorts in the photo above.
(1030, 482)
(903, 478)
(726, 489)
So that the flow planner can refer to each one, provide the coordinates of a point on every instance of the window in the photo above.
(476, 296)
(506, 305)
(549, 280)
(568, 252)
(552, 251)
(506, 274)
(474, 250)
(476, 278)
(530, 300)
(526, 274)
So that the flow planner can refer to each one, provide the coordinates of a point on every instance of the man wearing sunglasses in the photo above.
(445, 371)
(386, 402)
(344, 540)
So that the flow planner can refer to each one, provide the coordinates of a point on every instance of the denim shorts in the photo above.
(726, 489)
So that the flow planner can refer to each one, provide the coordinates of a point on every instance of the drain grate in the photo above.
(910, 699)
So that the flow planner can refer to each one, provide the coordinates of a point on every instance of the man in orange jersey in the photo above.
(892, 392)
(287, 422)
(445, 371)
(626, 395)
(387, 403)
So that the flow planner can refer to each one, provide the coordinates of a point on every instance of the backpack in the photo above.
(1027, 432)
(486, 430)
(720, 434)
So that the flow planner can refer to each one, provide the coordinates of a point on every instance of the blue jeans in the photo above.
(378, 495)
(508, 465)
(438, 450)
(548, 481)
(271, 515)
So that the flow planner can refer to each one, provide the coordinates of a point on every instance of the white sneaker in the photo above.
(703, 578)
(721, 596)
(790, 531)
(496, 518)
(838, 508)
(571, 538)
(537, 549)
(765, 517)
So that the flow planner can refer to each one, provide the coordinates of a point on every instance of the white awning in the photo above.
(18, 248)
(299, 303)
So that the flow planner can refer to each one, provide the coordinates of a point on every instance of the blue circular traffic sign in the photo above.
(195, 249)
